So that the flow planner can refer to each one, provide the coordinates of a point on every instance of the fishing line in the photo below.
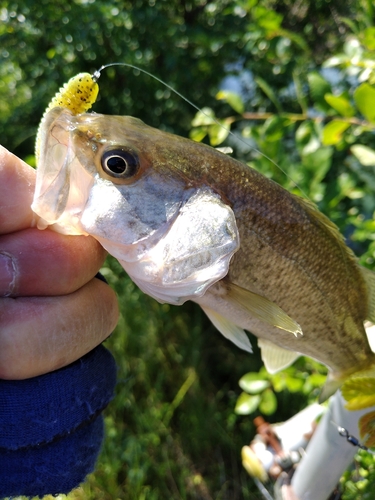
(351, 439)
(96, 75)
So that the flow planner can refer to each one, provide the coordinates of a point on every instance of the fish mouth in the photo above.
(62, 183)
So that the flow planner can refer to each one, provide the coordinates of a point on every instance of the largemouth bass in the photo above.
(190, 223)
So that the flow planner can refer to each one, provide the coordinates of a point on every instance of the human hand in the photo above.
(52, 309)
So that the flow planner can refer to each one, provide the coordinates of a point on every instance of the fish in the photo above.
(188, 222)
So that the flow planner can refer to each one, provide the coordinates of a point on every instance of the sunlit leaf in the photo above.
(364, 97)
(304, 133)
(198, 133)
(253, 383)
(218, 133)
(205, 116)
(51, 53)
(255, 386)
(340, 104)
(246, 403)
(317, 379)
(294, 384)
(364, 155)
(278, 381)
(332, 132)
(352, 47)
(234, 100)
(368, 38)
(267, 18)
(335, 61)
(268, 403)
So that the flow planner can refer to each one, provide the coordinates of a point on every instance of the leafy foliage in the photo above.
(295, 83)
(306, 378)
(357, 483)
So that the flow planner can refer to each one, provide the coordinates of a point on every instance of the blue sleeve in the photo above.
(51, 426)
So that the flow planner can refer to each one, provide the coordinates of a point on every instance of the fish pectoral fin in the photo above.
(369, 277)
(229, 329)
(262, 308)
(276, 358)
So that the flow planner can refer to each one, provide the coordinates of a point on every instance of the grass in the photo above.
(171, 431)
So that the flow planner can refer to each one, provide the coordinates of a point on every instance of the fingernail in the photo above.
(7, 275)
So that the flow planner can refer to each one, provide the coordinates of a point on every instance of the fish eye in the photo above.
(120, 163)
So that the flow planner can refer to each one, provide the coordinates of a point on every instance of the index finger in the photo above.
(17, 183)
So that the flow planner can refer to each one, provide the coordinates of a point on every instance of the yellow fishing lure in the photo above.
(77, 95)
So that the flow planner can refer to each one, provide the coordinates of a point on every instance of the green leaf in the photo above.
(353, 48)
(266, 18)
(340, 104)
(300, 94)
(336, 61)
(278, 381)
(269, 92)
(246, 404)
(218, 133)
(318, 162)
(268, 404)
(273, 128)
(252, 383)
(294, 384)
(369, 38)
(197, 134)
(255, 387)
(205, 116)
(304, 133)
(294, 37)
(234, 100)
(332, 132)
(364, 97)
(319, 87)
(317, 379)
(364, 154)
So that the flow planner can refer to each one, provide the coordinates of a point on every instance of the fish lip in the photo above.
(56, 163)
(50, 196)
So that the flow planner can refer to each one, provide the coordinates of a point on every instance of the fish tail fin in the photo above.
(330, 387)
(358, 388)
(353, 384)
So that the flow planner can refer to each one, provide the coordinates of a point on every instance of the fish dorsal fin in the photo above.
(310, 207)
(229, 329)
(369, 277)
(276, 358)
(262, 308)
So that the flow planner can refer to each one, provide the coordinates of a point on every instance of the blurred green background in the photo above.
(294, 80)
